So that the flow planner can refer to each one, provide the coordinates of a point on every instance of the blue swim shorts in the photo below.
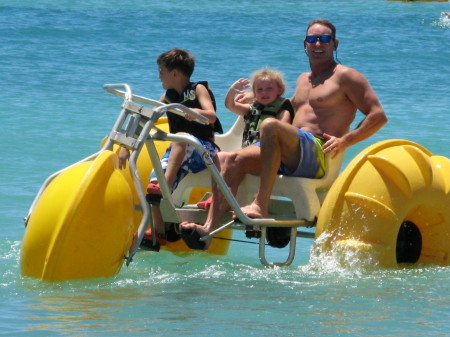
(192, 161)
(312, 159)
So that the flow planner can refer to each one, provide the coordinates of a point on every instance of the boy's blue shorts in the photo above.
(192, 161)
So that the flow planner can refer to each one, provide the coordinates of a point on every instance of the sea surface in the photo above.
(54, 58)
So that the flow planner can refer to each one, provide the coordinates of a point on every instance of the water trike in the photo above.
(391, 204)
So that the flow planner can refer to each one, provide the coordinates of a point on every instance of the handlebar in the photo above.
(176, 108)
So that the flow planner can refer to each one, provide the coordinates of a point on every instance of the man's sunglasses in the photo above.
(322, 38)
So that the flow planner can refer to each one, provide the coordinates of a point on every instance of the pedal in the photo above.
(148, 245)
(251, 233)
(278, 237)
(172, 231)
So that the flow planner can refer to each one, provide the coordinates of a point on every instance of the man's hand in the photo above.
(333, 145)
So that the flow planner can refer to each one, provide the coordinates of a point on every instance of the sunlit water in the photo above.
(55, 56)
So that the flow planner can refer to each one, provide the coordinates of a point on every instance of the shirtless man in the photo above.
(325, 101)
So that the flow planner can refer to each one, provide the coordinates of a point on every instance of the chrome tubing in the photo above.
(176, 108)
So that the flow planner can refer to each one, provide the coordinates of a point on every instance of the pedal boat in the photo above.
(390, 205)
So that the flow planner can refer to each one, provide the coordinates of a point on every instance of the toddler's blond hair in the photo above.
(270, 74)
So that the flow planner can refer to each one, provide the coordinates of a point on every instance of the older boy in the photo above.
(175, 69)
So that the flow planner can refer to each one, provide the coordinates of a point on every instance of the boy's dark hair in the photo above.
(177, 59)
(325, 23)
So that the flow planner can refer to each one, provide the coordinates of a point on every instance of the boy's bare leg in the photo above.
(233, 167)
(158, 220)
(176, 157)
(175, 160)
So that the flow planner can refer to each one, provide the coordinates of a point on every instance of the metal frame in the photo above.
(135, 126)
(151, 116)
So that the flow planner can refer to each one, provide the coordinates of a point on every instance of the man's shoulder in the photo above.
(349, 76)
(303, 79)
(304, 75)
(345, 71)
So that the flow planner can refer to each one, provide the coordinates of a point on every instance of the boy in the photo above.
(175, 69)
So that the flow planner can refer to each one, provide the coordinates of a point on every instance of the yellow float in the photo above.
(72, 218)
(390, 205)
(82, 222)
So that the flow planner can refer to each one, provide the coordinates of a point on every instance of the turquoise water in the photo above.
(56, 55)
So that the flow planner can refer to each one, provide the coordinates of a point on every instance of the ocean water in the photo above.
(56, 55)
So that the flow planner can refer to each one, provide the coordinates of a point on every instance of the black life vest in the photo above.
(189, 99)
(258, 113)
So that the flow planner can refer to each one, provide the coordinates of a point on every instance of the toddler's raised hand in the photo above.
(241, 84)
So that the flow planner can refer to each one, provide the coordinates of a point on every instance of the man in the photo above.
(325, 101)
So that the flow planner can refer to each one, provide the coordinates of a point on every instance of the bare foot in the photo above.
(201, 230)
(254, 211)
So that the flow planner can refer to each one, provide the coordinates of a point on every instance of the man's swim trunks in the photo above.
(312, 159)
(192, 161)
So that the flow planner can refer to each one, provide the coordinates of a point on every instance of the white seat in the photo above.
(232, 140)
(305, 195)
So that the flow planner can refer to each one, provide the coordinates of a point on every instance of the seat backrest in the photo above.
(232, 139)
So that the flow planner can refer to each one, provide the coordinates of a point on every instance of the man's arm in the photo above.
(358, 90)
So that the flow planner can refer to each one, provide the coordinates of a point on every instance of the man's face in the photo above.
(318, 47)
